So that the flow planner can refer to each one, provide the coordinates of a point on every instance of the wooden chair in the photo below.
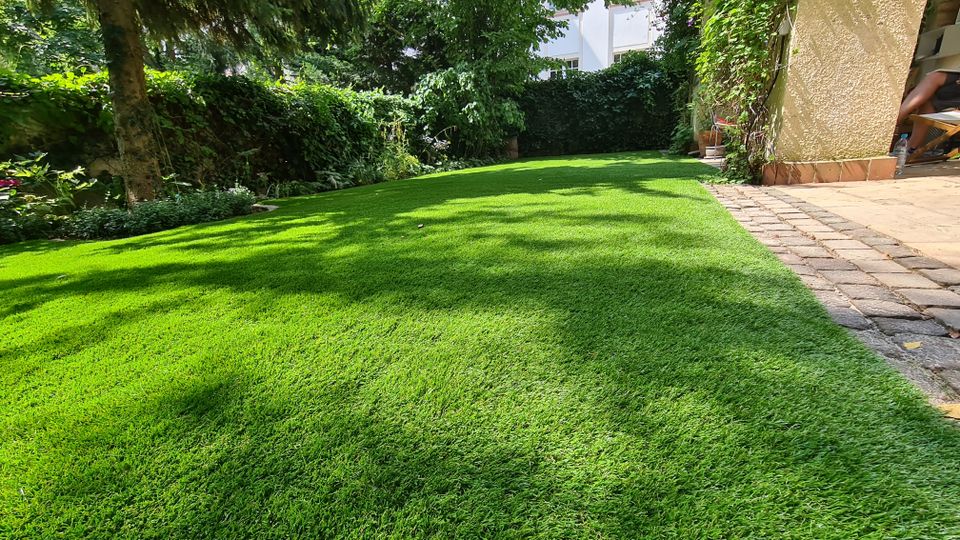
(949, 123)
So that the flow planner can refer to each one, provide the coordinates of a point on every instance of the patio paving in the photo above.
(901, 301)
(922, 212)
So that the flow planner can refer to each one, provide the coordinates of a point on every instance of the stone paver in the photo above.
(845, 244)
(917, 263)
(880, 267)
(886, 293)
(932, 297)
(949, 317)
(906, 326)
(943, 276)
(868, 292)
(883, 308)
(904, 281)
(831, 264)
(896, 250)
(851, 277)
(811, 251)
(860, 254)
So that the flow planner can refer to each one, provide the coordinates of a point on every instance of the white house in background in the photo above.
(598, 36)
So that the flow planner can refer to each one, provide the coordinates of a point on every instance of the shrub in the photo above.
(153, 216)
(460, 105)
(216, 131)
(34, 199)
(628, 106)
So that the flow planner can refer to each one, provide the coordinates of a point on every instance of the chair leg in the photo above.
(917, 155)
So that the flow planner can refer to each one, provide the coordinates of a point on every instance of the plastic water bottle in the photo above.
(900, 152)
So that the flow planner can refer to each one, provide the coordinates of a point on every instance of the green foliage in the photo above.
(153, 216)
(65, 39)
(217, 131)
(34, 198)
(625, 107)
(737, 65)
(463, 108)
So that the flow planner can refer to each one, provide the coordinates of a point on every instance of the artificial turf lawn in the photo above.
(582, 347)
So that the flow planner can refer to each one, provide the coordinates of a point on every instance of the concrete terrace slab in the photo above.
(922, 213)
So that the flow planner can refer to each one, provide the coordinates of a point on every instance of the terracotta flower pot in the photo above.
(708, 138)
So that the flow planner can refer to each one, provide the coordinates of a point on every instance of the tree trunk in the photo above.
(132, 114)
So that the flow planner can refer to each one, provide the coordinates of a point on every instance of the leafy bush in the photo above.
(34, 199)
(153, 216)
(216, 131)
(460, 105)
(628, 106)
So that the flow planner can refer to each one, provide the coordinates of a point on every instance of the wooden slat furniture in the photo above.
(949, 123)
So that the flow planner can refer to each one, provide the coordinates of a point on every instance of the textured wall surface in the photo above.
(848, 64)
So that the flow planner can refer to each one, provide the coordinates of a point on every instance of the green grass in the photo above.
(583, 347)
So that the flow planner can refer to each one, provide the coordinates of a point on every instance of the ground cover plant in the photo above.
(571, 347)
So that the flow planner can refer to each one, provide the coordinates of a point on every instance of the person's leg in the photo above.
(922, 94)
(919, 134)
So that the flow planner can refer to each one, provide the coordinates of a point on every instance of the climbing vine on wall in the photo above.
(739, 53)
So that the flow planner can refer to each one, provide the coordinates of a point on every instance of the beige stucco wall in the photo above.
(841, 91)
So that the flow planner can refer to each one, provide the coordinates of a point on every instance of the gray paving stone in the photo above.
(789, 258)
(797, 241)
(831, 264)
(851, 277)
(803, 221)
(810, 251)
(829, 235)
(943, 276)
(849, 318)
(846, 226)
(932, 297)
(904, 281)
(906, 326)
(896, 250)
(952, 376)
(880, 308)
(845, 244)
(867, 292)
(831, 298)
(831, 219)
(934, 353)
(916, 263)
(777, 227)
(884, 266)
(860, 254)
(861, 233)
(817, 283)
(879, 241)
(814, 228)
(767, 220)
(802, 270)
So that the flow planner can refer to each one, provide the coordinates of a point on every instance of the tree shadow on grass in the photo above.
(519, 367)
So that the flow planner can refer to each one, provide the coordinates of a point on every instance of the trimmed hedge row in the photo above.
(215, 130)
(626, 107)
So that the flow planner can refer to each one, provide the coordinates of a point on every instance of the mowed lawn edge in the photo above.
(586, 346)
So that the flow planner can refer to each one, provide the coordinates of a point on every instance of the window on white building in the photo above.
(619, 55)
(568, 64)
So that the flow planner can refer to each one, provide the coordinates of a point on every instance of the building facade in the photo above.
(598, 36)
(834, 107)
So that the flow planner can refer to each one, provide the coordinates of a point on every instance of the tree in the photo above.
(280, 25)
(63, 40)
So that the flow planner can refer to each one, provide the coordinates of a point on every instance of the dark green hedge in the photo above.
(216, 131)
(626, 107)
